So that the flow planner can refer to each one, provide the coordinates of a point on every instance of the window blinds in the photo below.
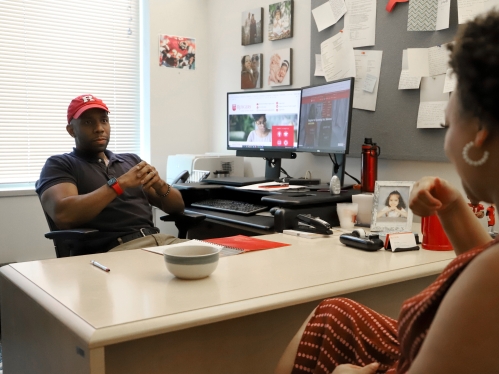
(51, 52)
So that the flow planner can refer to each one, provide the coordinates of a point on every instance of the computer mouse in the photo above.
(273, 210)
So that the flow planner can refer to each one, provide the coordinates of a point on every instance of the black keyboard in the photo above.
(230, 206)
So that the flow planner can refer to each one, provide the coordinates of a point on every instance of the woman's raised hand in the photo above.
(431, 194)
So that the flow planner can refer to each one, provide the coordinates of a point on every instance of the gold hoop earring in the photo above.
(469, 161)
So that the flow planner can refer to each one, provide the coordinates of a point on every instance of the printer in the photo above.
(198, 166)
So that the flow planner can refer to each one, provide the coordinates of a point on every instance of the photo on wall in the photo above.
(280, 68)
(252, 26)
(251, 68)
(177, 52)
(281, 20)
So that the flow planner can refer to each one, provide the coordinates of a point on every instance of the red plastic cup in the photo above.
(434, 237)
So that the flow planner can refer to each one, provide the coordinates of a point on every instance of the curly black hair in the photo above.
(475, 60)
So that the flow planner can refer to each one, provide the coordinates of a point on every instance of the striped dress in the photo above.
(343, 331)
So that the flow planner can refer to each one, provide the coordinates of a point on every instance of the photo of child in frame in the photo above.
(392, 204)
(280, 68)
(280, 20)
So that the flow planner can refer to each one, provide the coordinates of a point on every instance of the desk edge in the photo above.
(160, 325)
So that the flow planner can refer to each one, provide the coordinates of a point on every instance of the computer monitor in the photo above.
(326, 114)
(264, 124)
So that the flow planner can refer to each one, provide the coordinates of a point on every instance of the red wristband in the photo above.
(113, 183)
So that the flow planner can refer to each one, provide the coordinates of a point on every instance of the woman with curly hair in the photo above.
(451, 326)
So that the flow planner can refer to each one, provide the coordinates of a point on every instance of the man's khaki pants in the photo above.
(153, 240)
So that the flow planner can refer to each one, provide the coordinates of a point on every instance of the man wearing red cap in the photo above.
(94, 188)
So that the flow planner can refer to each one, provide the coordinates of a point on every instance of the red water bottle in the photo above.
(369, 165)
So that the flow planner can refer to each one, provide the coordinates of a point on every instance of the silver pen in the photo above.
(100, 266)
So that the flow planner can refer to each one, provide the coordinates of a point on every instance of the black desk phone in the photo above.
(306, 222)
(358, 239)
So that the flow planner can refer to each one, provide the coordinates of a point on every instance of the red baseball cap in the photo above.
(82, 103)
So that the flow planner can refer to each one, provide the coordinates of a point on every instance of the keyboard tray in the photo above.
(230, 206)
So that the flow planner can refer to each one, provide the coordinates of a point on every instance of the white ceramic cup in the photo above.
(347, 214)
(364, 214)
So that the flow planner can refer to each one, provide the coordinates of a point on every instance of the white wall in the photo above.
(180, 109)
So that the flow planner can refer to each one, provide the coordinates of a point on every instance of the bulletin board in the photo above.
(393, 125)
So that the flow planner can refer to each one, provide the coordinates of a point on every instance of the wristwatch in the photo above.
(113, 183)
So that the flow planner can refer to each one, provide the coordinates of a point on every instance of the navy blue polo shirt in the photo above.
(127, 213)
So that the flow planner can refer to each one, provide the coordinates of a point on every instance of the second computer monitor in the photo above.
(326, 113)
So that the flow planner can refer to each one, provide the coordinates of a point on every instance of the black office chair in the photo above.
(71, 242)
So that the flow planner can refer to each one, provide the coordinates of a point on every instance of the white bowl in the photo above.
(191, 261)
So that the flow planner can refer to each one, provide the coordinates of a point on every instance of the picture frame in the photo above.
(177, 52)
(386, 216)
(251, 71)
(281, 20)
(252, 26)
(280, 67)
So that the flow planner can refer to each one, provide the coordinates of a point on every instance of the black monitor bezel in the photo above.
(261, 149)
(349, 125)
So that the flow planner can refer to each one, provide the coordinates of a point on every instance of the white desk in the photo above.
(67, 316)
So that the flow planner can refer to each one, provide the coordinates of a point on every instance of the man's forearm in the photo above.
(168, 199)
(75, 211)
(173, 203)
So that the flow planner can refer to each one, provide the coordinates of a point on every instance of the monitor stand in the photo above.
(340, 160)
(272, 169)
(272, 160)
(272, 173)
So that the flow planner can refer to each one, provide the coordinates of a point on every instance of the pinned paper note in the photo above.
(406, 80)
(339, 8)
(431, 114)
(368, 67)
(450, 81)
(329, 13)
(369, 83)
(428, 15)
(323, 16)
(360, 22)
(318, 66)
(443, 15)
(469, 9)
(338, 60)
(428, 62)
(433, 101)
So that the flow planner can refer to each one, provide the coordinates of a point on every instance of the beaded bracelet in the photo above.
(166, 193)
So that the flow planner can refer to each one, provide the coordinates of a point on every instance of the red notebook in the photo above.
(245, 243)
